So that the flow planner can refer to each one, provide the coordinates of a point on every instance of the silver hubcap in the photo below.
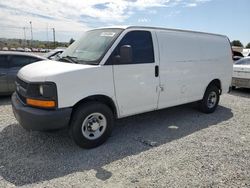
(212, 99)
(94, 126)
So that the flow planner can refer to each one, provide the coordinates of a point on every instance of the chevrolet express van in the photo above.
(116, 72)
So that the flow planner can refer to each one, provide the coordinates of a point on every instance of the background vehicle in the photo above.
(34, 50)
(246, 52)
(241, 73)
(117, 72)
(27, 49)
(10, 64)
(54, 53)
(237, 55)
(20, 49)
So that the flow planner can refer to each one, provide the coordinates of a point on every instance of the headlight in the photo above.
(41, 90)
(42, 95)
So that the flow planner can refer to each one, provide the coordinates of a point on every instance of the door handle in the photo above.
(156, 71)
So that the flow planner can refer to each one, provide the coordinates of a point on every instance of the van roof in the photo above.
(161, 28)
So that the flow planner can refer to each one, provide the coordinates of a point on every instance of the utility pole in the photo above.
(54, 37)
(24, 32)
(47, 31)
(31, 32)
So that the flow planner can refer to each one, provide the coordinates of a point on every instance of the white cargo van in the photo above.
(116, 72)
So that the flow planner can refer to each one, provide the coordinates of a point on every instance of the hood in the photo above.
(43, 70)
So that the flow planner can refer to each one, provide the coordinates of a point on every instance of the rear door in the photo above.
(136, 83)
(16, 63)
(3, 74)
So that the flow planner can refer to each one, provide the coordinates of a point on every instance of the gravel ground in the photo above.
(175, 147)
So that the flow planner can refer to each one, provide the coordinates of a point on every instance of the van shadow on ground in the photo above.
(32, 157)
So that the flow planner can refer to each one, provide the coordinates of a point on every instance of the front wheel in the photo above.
(210, 100)
(91, 124)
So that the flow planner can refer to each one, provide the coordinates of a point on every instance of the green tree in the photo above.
(41, 45)
(248, 45)
(236, 43)
(71, 41)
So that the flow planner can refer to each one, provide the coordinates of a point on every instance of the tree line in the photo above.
(15, 43)
(238, 43)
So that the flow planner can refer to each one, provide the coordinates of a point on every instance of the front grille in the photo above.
(22, 98)
(22, 83)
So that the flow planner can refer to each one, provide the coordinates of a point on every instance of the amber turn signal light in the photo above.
(41, 103)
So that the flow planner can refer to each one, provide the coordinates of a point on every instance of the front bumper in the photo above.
(39, 119)
(241, 82)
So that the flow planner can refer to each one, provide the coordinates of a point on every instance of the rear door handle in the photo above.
(156, 70)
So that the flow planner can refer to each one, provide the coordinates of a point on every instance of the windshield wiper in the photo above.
(69, 59)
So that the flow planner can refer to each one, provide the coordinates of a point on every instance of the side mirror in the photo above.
(125, 56)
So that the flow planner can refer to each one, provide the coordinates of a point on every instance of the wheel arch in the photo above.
(99, 98)
(217, 83)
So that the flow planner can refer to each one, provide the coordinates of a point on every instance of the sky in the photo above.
(71, 18)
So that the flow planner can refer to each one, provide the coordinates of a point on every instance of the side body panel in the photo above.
(188, 63)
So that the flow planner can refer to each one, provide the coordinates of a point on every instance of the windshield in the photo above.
(91, 46)
(245, 61)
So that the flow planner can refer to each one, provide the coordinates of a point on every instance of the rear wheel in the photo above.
(210, 99)
(91, 124)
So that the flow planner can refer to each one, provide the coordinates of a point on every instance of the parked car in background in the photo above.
(237, 55)
(10, 63)
(54, 54)
(27, 49)
(12, 49)
(20, 49)
(246, 52)
(34, 50)
(5, 48)
(241, 73)
(42, 50)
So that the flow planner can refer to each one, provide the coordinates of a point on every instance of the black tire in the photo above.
(204, 103)
(79, 116)
(233, 87)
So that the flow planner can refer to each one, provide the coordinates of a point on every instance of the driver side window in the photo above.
(142, 47)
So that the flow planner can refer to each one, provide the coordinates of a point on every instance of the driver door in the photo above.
(136, 82)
